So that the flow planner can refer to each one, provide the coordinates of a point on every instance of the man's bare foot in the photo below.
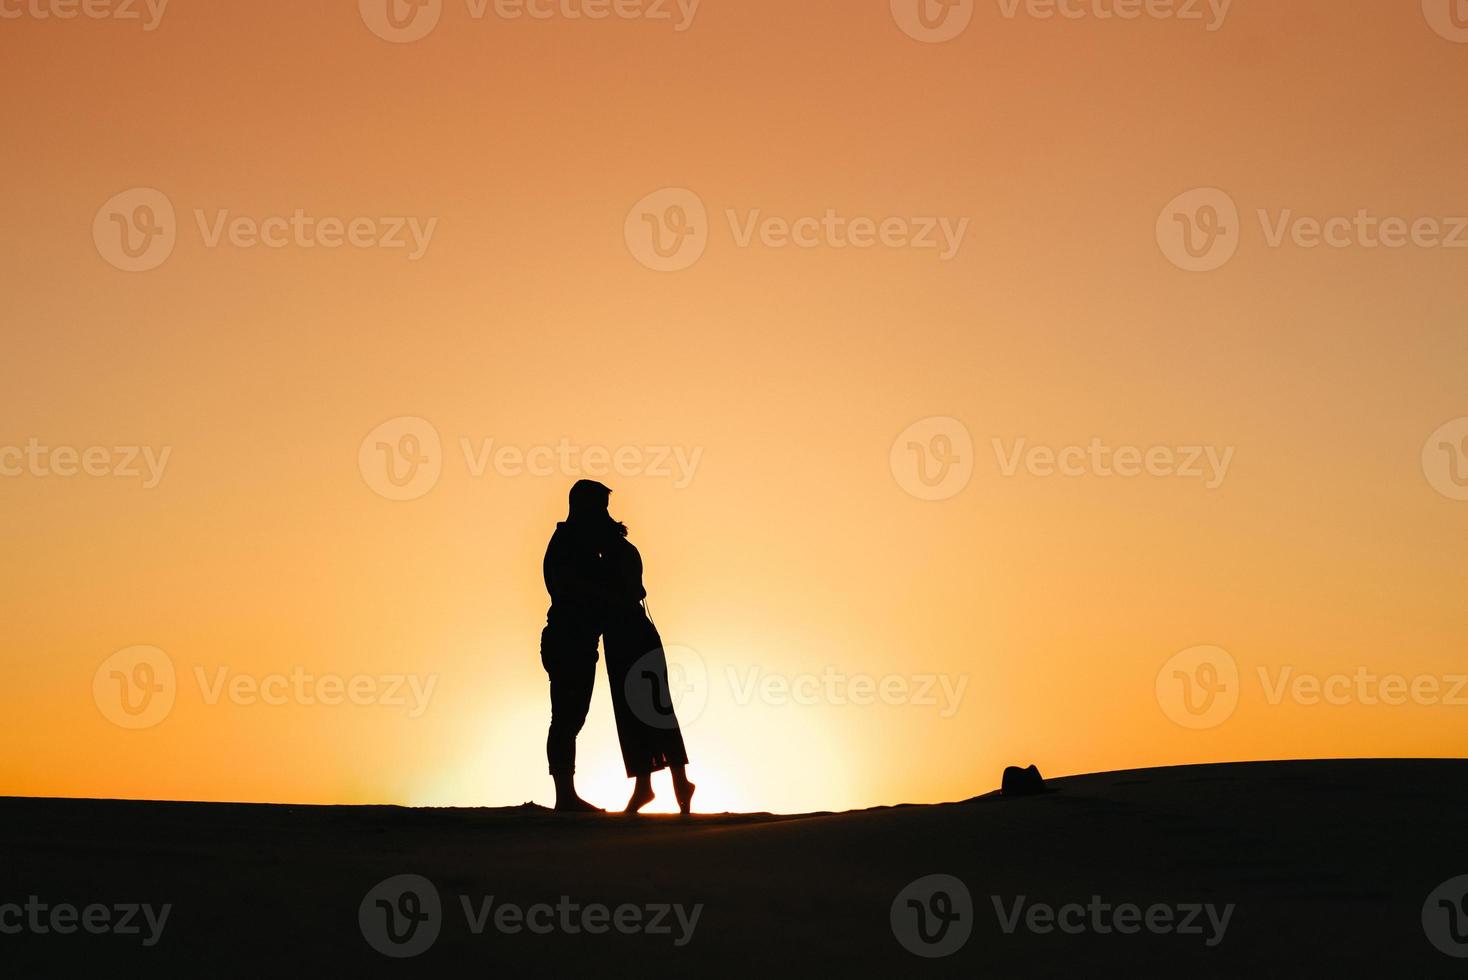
(641, 797)
(685, 797)
(577, 805)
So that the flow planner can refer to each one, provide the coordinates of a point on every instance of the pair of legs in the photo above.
(647, 726)
(642, 793)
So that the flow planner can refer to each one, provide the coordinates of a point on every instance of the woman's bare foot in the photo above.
(577, 805)
(642, 795)
(685, 797)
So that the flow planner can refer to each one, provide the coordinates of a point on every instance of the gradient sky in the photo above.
(796, 549)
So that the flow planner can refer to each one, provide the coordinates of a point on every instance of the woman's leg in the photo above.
(683, 789)
(647, 725)
(623, 650)
(663, 736)
(642, 793)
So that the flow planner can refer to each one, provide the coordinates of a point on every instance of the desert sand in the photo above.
(1321, 868)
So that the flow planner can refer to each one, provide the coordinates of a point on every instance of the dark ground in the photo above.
(1328, 865)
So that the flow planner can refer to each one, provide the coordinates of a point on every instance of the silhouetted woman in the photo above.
(637, 668)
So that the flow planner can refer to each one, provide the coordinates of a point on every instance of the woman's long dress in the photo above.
(647, 724)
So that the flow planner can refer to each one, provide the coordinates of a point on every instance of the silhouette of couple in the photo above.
(594, 577)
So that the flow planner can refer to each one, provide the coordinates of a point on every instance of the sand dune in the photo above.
(1310, 868)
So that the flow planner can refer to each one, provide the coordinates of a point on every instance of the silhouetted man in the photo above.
(576, 582)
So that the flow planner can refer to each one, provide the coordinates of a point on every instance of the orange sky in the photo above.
(792, 544)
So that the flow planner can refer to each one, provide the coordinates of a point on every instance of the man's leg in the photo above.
(572, 678)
